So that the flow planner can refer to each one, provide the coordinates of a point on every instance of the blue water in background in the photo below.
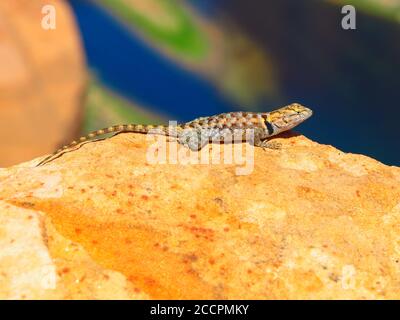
(208, 8)
(355, 105)
(132, 68)
(350, 78)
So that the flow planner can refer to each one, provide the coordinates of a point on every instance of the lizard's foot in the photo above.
(268, 144)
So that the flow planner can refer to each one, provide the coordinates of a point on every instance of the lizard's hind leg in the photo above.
(194, 139)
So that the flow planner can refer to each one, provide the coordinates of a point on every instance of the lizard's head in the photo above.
(287, 117)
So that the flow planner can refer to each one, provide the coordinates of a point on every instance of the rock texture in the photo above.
(42, 79)
(309, 222)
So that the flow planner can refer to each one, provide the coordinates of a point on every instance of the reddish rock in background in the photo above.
(42, 80)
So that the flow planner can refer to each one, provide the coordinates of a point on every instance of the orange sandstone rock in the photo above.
(42, 79)
(309, 222)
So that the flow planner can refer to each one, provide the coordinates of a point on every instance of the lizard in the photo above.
(218, 128)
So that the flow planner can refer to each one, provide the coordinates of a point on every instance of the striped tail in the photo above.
(137, 128)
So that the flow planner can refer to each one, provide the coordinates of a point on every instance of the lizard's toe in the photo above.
(267, 144)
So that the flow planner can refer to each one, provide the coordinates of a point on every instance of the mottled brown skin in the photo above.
(254, 127)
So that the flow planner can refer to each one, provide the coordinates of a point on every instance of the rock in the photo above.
(309, 222)
(42, 80)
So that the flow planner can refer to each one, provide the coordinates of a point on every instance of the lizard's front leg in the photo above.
(266, 143)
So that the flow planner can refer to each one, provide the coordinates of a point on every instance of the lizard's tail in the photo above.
(161, 129)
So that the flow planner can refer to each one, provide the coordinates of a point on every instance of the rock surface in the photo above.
(309, 222)
(42, 79)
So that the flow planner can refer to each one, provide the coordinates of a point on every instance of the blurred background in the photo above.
(149, 61)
